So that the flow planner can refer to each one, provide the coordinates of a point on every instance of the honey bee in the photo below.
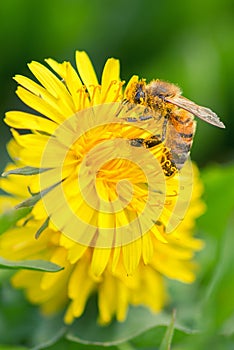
(166, 104)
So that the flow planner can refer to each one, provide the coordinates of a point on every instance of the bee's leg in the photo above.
(164, 128)
(146, 117)
(149, 142)
(120, 108)
(152, 141)
(137, 142)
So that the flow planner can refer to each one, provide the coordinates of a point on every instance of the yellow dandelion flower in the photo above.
(117, 217)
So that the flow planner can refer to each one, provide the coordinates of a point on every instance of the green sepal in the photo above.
(39, 265)
(26, 171)
(42, 228)
(29, 202)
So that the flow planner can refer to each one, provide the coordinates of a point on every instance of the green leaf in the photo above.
(153, 337)
(10, 218)
(22, 323)
(47, 331)
(63, 344)
(86, 330)
(17, 317)
(39, 265)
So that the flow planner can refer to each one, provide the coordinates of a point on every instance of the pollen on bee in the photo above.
(135, 92)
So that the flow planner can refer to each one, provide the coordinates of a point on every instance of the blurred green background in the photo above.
(190, 43)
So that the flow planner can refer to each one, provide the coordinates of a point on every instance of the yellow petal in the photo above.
(132, 255)
(151, 290)
(55, 303)
(76, 252)
(54, 86)
(110, 84)
(80, 287)
(34, 148)
(15, 186)
(13, 149)
(23, 120)
(39, 212)
(69, 317)
(175, 269)
(59, 68)
(40, 105)
(156, 230)
(36, 89)
(107, 299)
(66, 242)
(50, 280)
(88, 75)
(147, 248)
(116, 256)
(73, 82)
(122, 301)
(26, 279)
(51, 83)
(83, 295)
(29, 140)
(100, 260)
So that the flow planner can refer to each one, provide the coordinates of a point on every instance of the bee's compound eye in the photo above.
(140, 96)
(161, 96)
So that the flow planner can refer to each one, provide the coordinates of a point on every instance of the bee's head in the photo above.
(140, 94)
(136, 93)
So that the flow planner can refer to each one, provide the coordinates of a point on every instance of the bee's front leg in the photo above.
(164, 128)
(148, 142)
(139, 142)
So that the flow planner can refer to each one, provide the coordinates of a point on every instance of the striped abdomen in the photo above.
(180, 130)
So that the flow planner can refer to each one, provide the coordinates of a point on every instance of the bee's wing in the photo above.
(201, 112)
